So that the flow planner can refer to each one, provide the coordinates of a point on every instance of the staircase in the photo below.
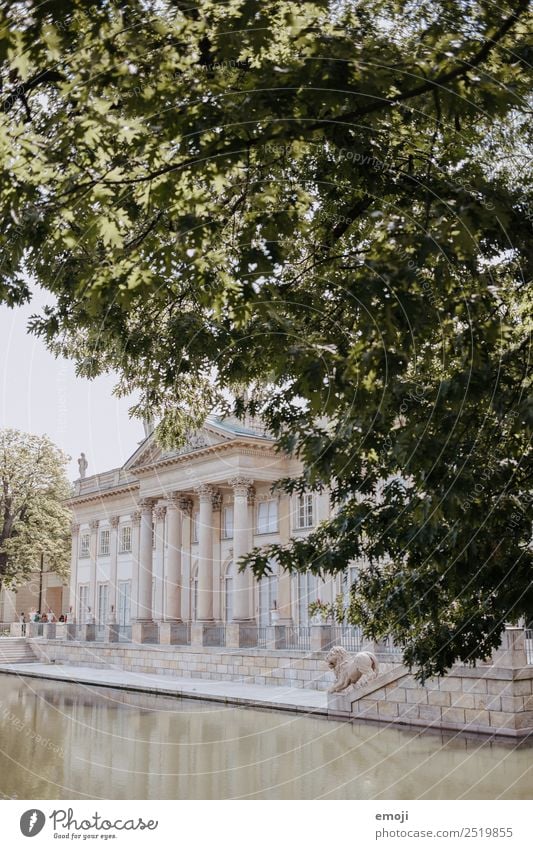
(16, 650)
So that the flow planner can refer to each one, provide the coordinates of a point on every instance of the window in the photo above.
(124, 602)
(228, 587)
(103, 601)
(84, 545)
(227, 523)
(267, 517)
(153, 534)
(304, 512)
(268, 598)
(195, 599)
(83, 604)
(125, 538)
(348, 579)
(104, 542)
(306, 592)
(195, 524)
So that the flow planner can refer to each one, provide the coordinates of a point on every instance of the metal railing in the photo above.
(215, 636)
(75, 631)
(262, 636)
(124, 633)
(388, 647)
(298, 637)
(347, 636)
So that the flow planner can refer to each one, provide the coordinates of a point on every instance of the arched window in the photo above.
(228, 590)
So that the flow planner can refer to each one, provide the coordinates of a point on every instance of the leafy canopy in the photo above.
(329, 201)
(34, 521)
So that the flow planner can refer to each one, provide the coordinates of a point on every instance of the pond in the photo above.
(68, 741)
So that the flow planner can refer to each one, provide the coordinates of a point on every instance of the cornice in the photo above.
(181, 459)
(98, 494)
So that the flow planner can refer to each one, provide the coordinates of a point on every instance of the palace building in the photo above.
(154, 543)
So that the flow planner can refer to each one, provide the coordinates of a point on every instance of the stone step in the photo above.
(16, 651)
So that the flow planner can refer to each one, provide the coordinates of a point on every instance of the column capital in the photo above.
(216, 500)
(205, 492)
(241, 485)
(93, 524)
(185, 505)
(146, 504)
(114, 521)
(136, 517)
(74, 528)
(160, 512)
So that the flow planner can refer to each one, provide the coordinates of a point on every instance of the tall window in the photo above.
(306, 592)
(304, 511)
(124, 602)
(267, 517)
(84, 545)
(104, 542)
(195, 526)
(125, 539)
(227, 523)
(153, 534)
(103, 599)
(83, 605)
(348, 579)
(268, 597)
(195, 599)
(228, 587)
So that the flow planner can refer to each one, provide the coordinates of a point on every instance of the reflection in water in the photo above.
(68, 741)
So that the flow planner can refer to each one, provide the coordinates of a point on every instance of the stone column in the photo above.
(159, 568)
(173, 581)
(143, 628)
(242, 632)
(205, 555)
(185, 505)
(241, 544)
(284, 579)
(173, 631)
(135, 543)
(113, 583)
(217, 601)
(73, 585)
(93, 547)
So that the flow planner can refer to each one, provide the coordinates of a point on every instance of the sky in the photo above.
(41, 394)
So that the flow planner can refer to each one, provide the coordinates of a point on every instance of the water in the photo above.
(68, 741)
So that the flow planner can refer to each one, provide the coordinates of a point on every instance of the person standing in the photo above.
(22, 620)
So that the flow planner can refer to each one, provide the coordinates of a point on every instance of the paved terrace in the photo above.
(229, 692)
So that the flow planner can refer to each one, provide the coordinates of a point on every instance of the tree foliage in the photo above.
(327, 200)
(34, 521)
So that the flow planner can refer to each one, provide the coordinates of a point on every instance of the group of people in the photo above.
(36, 616)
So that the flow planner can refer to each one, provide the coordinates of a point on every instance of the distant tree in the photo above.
(330, 199)
(34, 521)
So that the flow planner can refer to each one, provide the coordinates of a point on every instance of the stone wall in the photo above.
(493, 698)
(251, 666)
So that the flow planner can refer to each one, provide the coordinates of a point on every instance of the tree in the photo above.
(315, 198)
(34, 522)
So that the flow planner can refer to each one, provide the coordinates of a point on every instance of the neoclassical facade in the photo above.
(154, 542)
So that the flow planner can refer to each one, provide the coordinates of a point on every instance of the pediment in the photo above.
(150, 452)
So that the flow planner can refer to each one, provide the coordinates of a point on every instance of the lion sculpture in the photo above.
(350, 668)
